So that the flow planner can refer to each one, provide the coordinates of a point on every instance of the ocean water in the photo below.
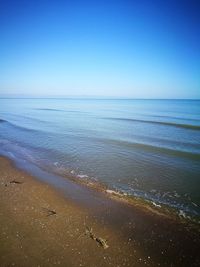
(144, 148)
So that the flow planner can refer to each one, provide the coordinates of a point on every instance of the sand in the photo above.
(40, 226)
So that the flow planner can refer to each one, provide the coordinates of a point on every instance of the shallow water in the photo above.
(146, 148)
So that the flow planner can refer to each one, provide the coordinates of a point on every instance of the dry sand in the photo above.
(30, 235)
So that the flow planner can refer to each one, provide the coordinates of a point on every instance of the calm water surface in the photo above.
(146, 148)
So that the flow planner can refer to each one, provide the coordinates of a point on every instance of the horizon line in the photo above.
(93, 97)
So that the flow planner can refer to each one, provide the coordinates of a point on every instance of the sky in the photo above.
(134, 49)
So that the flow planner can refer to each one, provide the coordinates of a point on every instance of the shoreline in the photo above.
(135, 237)
(147, 204)
(75, 181)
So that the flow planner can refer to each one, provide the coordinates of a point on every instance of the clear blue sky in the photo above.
(141, 49)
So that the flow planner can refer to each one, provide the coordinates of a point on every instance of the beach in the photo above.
(100, 133)
(40, 226)
(148, 149)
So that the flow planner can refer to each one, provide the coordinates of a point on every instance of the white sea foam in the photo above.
(195, 204)
(176, 194)
(113, 192)
(156, 205)
(183, 214)
(82, 176)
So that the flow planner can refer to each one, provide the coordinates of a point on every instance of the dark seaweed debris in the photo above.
(102, 242)
(49, 212)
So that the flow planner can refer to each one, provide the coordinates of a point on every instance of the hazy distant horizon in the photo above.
(89, 97)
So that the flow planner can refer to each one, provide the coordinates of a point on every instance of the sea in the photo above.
(149, 149)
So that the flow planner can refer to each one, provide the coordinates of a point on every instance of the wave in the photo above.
(28, 118)
(174, 118)
(2, 120)
(48, 109)
(26, 159)
(62, 110)
(178, 125)
(18, 127)
(140, 146)
(156, 149)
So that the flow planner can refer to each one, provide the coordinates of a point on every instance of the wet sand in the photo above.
(41, 226)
